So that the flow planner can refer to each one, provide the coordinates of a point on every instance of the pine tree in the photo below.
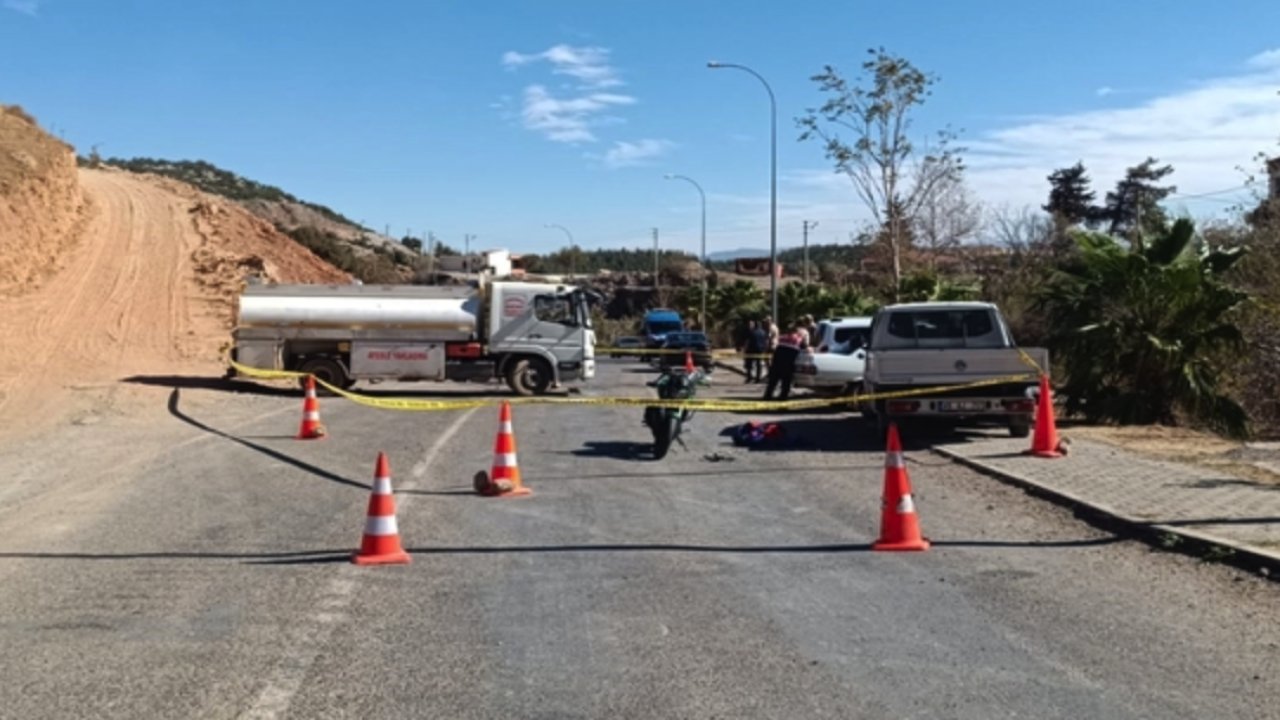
(1070, 197)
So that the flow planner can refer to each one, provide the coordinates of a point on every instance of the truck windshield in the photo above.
(556, 308)
(659, 327)
(944, 328)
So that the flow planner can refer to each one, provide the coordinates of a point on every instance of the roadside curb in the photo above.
(1202, 546)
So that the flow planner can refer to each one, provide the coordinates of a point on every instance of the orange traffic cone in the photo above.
(381, 542)
(505, 476)
(688, 362)
(311, 428)
(1045, 443)
(899, 524)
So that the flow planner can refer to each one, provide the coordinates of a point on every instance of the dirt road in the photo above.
(149, 290)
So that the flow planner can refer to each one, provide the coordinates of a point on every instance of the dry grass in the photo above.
(1184, 445)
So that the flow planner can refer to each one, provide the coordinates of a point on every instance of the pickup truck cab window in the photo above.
(971, 328)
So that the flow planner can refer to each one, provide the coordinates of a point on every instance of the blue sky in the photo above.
(497, 118)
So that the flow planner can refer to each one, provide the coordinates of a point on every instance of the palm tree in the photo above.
(728, 307)
(1140, 331)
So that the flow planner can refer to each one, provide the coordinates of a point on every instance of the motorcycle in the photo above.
(666, 423)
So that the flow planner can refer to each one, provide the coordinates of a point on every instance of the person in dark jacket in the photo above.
(782, 366)
(754, 346)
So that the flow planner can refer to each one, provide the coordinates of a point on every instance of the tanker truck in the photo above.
(533, 336)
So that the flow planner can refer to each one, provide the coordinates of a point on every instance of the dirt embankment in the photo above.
(42, 209)
(149, 291)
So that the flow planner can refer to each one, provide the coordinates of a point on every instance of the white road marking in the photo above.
(420, 468)
(314, 632)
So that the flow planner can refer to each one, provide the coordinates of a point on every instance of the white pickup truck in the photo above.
(917, 346)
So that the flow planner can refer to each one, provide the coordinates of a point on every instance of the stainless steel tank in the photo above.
(442, 313)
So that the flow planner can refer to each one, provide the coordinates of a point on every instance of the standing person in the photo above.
(753, 348)
(782, 368)
(771, 333)
(771, 338)
(804, 328)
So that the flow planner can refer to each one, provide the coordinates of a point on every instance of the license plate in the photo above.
(961, 405)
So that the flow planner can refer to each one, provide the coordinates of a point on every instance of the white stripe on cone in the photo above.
(381, 525)
(382, 486)
(311, 415)
(505, 427)
(894, 460)
(906, 505)
(504, 460)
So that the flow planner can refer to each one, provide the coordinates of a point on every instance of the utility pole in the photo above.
(431, 253)
(807, 227)
(655, 259)
(466, 257)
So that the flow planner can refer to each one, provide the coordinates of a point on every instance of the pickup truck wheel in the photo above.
(1020, 427)
(326, 369)
(529, 376)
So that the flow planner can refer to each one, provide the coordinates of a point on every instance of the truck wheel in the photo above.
(1020, 426)
(529, 376)
(328, 370)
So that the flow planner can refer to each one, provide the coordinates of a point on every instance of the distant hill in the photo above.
(214, 180)
(731, 255)
(369, 256)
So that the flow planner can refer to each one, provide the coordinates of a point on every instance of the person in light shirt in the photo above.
(782, 367)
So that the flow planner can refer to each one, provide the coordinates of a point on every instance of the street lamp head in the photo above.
(669, 176)
(714, 64)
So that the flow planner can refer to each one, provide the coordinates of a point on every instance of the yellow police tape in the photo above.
(637, 352)
(705, 405)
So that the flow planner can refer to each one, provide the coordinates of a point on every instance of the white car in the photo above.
(838, 359)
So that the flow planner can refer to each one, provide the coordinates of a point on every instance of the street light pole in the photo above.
(573, 255)
(702, 318)
(773, 182)
(466, 254)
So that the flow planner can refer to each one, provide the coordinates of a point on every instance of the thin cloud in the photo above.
(1105, 90)
(567, 120)
(589, 65)
(1205, 131)
(640, 152)
(571, 113)
(26, 7)
(1266, 59)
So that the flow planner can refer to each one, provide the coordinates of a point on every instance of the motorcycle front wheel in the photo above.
(664, 431)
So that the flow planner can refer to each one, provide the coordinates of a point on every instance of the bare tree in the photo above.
(947, 217)
(880, 159)
(1021, 230)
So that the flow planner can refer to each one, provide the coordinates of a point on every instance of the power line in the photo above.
(1209, 194)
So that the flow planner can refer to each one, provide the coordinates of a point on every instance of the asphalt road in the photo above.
(200, 570)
